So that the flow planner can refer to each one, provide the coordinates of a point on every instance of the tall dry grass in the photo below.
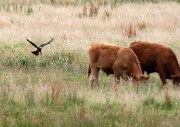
(158, 23)
(56, 95)
(161, 25)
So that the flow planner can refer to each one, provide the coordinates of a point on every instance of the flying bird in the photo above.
(39, 48)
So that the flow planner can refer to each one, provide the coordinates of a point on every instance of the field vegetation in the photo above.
(52, 89)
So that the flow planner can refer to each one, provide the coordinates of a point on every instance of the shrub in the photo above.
(9, 62)
(44, 62)
(64, 59)
(24, 61)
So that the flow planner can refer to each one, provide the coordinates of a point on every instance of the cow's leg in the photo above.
(117, 80)
(162, 75)
(94, 76)
(91, 79)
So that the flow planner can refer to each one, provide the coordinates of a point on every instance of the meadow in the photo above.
(52, 89)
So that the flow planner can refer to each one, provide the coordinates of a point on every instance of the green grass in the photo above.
(26, 96)
(65, 60)
(52, 89)
(26, 100)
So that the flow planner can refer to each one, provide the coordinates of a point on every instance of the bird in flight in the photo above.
(39, 48)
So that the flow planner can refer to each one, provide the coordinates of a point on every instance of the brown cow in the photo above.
(115, 60)
(158, 58)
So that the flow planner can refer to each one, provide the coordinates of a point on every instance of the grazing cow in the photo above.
(115, 60)
(158, 58)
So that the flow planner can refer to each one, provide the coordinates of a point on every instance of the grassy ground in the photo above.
(52, 89)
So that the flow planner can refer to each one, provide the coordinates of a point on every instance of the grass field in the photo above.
(52, 89)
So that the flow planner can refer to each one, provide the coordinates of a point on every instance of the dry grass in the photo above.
(157, 23)
(160, 21)
(54, 84)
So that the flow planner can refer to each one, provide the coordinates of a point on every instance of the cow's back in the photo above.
(103, 56)
(152, 55)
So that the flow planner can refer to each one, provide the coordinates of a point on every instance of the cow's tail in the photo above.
(89, 71)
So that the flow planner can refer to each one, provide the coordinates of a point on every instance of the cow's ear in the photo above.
(133, 76)
(144, 77)
(173, 76)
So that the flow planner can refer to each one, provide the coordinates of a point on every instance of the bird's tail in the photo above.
(36, 53)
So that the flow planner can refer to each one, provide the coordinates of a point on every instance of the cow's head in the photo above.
(176, 80)
(139, 79)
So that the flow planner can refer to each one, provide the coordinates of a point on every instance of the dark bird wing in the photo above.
(42, 45)
(32, 43)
